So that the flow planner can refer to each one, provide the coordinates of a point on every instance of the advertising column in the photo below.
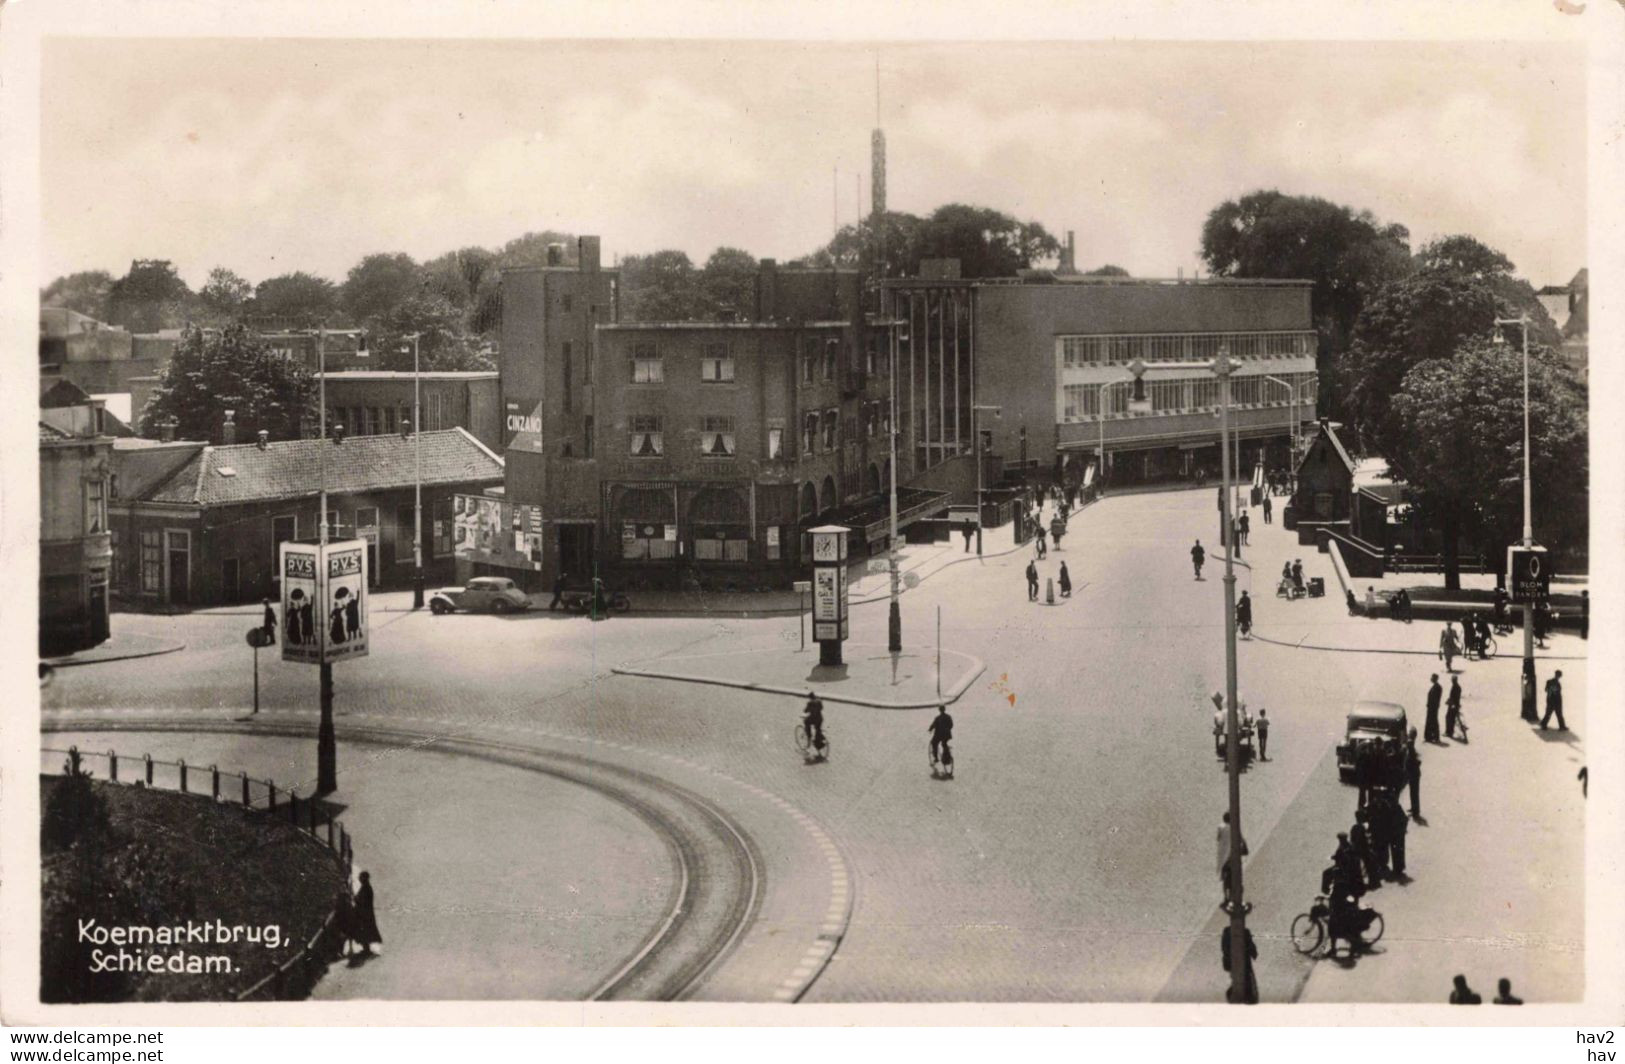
(830, 624)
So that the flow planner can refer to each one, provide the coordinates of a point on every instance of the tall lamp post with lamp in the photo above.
(1135, 370)
(417, 459)
(1294, 393)
(1528, 707)
(894, 617)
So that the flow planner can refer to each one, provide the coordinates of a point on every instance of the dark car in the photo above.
(493, 594)
(1370, 722)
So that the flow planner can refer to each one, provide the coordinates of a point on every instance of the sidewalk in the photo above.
(870, 676)
(119, 647)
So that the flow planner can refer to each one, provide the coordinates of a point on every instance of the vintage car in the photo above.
(492, 594)
(1370, 722)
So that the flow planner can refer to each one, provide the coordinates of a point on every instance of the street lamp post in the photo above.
(1529, 708)
(1293, 392)
(894, 619)
(327, 773)
(417, 460)
(1100, 416)
(976, 449)
(1222, 367)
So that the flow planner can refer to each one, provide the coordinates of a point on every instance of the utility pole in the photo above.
(1232, 753)
(417, 459)
(1530, 709)
(894, 620)
(327, 772)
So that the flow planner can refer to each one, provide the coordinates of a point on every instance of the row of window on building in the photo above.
(386, 420)
(1101, 350)
(1185, 395)
(819, 358)
(716, 438)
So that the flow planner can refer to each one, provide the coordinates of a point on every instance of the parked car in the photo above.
(1370, 722)
(492, 594)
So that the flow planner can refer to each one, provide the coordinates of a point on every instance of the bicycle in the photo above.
(943, 767)
(1311, 930)
(804, 743)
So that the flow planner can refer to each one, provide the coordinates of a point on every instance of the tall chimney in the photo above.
(767, 278)
(1069, 255)
(555, 254)
(228, 431)
(588, 254)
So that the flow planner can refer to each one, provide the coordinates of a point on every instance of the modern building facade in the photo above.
(379, 402)
(1055, 355)
(197, 525)
(97, 357)
(76, 548)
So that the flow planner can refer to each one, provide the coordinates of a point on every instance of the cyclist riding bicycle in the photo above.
(812, 719)
(942, 730)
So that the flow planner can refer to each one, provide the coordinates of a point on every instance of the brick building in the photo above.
(197, 525)
(676, 452)
(379, 402)
(76, 550)
(1048, 349)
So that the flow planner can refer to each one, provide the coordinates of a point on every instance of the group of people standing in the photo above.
(1041, 538)
(1372, 850)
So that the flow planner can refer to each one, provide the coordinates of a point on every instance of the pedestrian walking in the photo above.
(1032, 581)
(1370, 601)
(343, 919)
(1057, 528)
(1369, 867)
(967, 530)
(1066, 582)
(558, 592)
(1248, 982)
(1235, 535)
(1245, 524)
(1430, 732)
(1394, 827)
(1452, 710)
(1543, 622)
(1225, 853)
(1268, 508)
(1263, 729)
(1043, 550)
(365, 930)
(1463, 994)
(1554, 702)
(1413, 773)
(1449, 646)
(1198, 556)
(268, 623)
(1244, 615)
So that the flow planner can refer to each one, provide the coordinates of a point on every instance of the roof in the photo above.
(406, 375)
(1048, 279)
(635, 326)
(51, 432)
(1378, 710)
(292, 469)
(1329, 432)
(117, 404)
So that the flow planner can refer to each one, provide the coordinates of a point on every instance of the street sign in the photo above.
(801, 587)
(324, 601)
(1528, 574)
(260, 637)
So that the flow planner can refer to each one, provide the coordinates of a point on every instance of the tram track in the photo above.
(718, 879)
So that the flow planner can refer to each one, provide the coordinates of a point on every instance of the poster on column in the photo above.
(345, 598)
(300, 593)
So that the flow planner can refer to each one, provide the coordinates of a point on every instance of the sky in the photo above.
(268, 156)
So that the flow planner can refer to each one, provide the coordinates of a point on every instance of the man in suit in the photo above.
(1435, 696)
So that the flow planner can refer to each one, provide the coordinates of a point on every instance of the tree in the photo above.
(471, 278)
(224, 295)
(532, 249)
(987, 243)
(229, 369)
(728, 283)
(1465, 256)
(294, 301)
(1107, 271)
(661, 286)
(85, 292)
(150, 297)
(1459, 443)
(861, 243)
(442, 342)
(1347, 254)
(378, 284)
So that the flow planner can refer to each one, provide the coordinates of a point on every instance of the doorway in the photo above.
(229, 573)
(179, 564)
(576, 556)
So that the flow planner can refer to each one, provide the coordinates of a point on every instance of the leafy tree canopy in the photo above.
(660, 286)
(438, 324)
(296, 300)
(224, 296)
(213, 371)
(728, 283)
(1107, 271)
(85, 292)
(150, 297)
(378, 284)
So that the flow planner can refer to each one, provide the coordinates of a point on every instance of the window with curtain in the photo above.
(648, 441)
(717, 436)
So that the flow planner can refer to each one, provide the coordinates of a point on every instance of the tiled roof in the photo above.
(291, 469)
(51, 432)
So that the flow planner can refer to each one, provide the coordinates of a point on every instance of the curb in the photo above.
(949, 696)
(1424, 653)
(70, 663)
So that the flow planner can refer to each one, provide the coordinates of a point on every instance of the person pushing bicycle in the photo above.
(942, 730)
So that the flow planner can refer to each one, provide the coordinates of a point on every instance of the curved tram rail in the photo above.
(718, 881)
